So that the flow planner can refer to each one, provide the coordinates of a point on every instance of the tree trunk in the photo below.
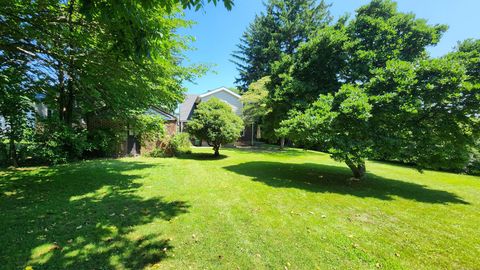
(216, 148)
(358, 170)
(13, 153)
(70, 100)
(61, 95)
(282, 143)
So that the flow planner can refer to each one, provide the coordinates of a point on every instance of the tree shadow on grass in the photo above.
(333, 179)
(202, 156)
(81, 216)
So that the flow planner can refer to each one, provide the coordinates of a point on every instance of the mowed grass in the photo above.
(248, 209)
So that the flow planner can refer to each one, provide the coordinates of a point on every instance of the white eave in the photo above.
(219, 90)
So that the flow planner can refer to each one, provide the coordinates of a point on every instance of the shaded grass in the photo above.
(248, 209)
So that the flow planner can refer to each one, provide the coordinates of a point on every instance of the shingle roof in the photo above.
(186, 107)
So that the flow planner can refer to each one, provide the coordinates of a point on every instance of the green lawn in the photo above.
(248, 209)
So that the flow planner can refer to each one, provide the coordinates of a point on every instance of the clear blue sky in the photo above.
(217, 31)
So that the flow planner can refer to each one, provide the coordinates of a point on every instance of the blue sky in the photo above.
(218, 30)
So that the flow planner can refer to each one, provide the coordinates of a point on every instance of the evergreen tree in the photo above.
(283, 26)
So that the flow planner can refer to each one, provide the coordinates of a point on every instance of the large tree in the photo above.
(215, 122)
(422, 112)
(380, 95)
(379, 33)
(115, 57)
(283, 26)
(17, 89)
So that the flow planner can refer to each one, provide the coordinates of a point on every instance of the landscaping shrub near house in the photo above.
(57, 143)
(181, 144)
(171, 146)
(105, 142)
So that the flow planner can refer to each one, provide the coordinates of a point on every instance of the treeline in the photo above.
(84, 60)
(362, 87)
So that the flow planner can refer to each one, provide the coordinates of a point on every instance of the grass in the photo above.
(247, 209)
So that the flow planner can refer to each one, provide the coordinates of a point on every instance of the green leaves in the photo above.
(215, 122)
(255, 101)
(279, 30)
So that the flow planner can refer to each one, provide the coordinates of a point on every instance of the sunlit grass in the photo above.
(248, 209)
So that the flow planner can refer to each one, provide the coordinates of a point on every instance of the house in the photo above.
(169, 119)
(233, 99)
(131, 146)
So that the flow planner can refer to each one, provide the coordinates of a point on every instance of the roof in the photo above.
(186, 107)
(211, 92)
(165, 115)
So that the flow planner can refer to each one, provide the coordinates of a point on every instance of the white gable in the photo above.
(226, 96)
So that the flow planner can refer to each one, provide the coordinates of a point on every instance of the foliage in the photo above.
(176, 145)
(425, 113)
(347, 52)
(279, 30)
(3, 153)
(105, 142)
(215, 122)
(339, 123)
(468, 52)
(163, 151)
(415, 112)
(255, 101)
(473, 166)
(181, 143)
(56, 143)
(379, 33)
(148, 128)
(17, 86)
(395, 103)
(89, 57)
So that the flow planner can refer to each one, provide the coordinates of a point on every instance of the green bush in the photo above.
(105, 142)
(158, 152)
(149, 128)
(181, 144)
(56, 143)
(175, 145)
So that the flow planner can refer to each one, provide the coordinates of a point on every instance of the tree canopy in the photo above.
(215, 122)
(89, 57)
(283, 26)
(365, 87)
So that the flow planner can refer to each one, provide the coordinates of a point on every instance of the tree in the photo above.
(297, 80)
(255, 101)
(215, 122)
(343, 64)
(339, 123)
(115, 57)
(17, 88)
(379, 33)
(279, 30)
(148, 128)
(420, 112)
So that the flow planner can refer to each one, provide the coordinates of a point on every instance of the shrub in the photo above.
(175, 145)
(149, 128)
(56, 143)
(158, 152)
(105, 142)
(215, 122)
(181, 144)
